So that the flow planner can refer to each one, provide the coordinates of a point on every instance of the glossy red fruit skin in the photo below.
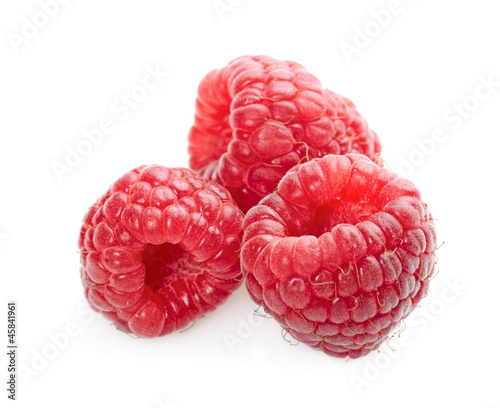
(340, 253)
(159, 249)
(258, 117)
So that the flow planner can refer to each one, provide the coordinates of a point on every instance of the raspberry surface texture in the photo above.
(159, 249)
(258, 117)
(340, 253)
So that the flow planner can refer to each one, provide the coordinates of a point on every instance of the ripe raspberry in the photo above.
(160, 249)
(258, 117)
(340, 254)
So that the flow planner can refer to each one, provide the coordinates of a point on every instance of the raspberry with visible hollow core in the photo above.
(159, 249)
(340, 254)
(258, 117)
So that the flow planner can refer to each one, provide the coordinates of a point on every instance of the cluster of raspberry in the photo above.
(287, 192)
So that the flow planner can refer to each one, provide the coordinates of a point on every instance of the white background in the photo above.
(408, 78)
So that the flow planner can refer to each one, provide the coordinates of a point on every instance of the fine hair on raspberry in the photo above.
(340, 253)
(159, 249)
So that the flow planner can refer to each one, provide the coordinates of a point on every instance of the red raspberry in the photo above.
(160, 249)
(340, 254)
(258, 117)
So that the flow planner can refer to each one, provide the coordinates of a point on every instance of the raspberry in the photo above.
(258, 117)
(160, 249)
(340, 254)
